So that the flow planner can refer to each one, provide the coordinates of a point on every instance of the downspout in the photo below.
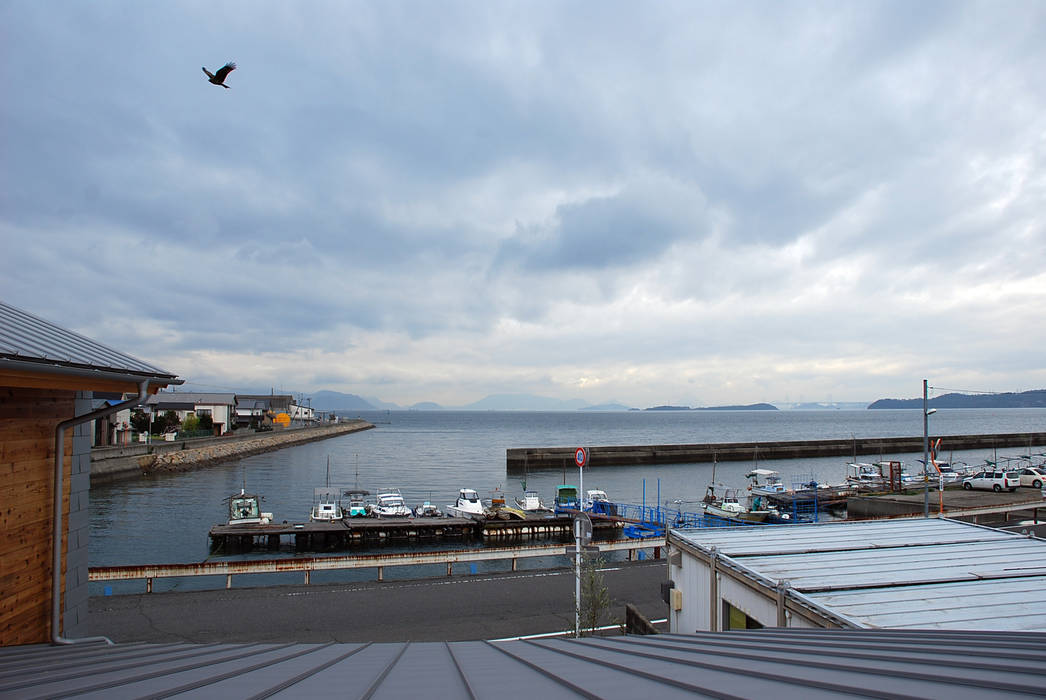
(56, 542)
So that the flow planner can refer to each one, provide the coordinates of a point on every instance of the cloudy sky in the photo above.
(676, 202)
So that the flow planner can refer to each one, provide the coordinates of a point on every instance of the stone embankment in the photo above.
(136, 460)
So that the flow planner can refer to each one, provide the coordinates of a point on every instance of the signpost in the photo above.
(582, 534)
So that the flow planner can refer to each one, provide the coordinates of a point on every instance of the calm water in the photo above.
(430, 455)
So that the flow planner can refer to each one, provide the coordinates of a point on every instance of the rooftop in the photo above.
(30, 342)
(912, 573)
(762, 664)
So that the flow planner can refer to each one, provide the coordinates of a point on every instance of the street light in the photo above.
(926, 453)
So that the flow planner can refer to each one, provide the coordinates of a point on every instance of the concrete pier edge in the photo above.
(137, 460)
(518, 459)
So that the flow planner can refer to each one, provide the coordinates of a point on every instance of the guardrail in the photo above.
(366, 561)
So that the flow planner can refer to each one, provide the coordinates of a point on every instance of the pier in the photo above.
(520, 459)
(360, 532)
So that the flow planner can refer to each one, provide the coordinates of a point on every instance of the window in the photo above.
(735, 619)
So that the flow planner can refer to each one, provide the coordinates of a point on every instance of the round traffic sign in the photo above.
(580, 456)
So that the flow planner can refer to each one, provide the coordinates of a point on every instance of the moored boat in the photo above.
(427, 510)
(531, 502)
(390, 504)
(245, 509)
(326, 505)
(357, 502)
(566, 498)
(468, 505)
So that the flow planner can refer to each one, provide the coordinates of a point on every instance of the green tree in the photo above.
(206, 422)
(191, 423)
(140, 420)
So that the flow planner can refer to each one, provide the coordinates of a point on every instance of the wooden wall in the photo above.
(27, 421)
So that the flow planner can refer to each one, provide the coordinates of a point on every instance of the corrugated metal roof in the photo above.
(750, 664)
(191, 398)
(28, 338)
(918, 573)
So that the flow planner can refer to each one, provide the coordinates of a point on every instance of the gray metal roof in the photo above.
(191, 398)
(918, 573)
(25, 338)
(760, 664)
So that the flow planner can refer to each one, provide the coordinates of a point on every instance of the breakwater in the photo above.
(129, 461)
(520, 459)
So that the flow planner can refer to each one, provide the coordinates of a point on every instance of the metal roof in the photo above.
(191, 398)
(805, 664)
(26, 338)
(918, 573)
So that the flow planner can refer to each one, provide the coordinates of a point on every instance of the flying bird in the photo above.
(219, 77)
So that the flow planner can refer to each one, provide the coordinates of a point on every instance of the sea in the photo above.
(429, 455)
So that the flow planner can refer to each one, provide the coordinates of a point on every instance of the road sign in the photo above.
(580, 456)
(583, 528)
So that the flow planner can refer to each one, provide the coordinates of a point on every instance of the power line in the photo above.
(968, 391)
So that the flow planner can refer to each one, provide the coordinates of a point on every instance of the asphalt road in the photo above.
(461, 607)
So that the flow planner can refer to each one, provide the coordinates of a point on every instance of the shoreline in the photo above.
(159, 457)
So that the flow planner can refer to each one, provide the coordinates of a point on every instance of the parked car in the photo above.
(1033, 476)
(992, 480)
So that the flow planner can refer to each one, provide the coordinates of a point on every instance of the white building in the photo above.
(891, 574)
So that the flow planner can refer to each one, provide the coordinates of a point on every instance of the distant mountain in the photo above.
(823, 405)
(523, 402)
(383, 405)
(426, 406)
(1025, 399)
(748, 407)
(667, 408)
(336, 401)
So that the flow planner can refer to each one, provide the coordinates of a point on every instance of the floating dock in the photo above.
(362, 532)
(520, 459)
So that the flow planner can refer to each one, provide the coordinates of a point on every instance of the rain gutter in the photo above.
(56, 543)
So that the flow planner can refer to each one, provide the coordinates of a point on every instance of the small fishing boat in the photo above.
(468, 505)
(531, 502)
(357, 502)
(390, 505)
(729, 507)
(326, 505)
(245, 509)
(566, 498)
(427, 510)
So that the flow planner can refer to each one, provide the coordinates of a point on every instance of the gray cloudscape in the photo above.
(693, 204)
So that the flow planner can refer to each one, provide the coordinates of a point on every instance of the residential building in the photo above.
(48, 376)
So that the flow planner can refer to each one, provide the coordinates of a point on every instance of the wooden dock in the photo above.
(520, 459)
(364, 532)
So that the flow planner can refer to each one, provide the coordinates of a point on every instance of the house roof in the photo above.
(29, 343)
(785, 663)
(916, 573)
(190, 399)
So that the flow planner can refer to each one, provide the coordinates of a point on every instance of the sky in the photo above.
(690, 203)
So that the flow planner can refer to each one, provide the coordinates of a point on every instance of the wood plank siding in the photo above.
(27, 422)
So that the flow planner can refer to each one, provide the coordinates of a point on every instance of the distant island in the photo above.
(1025, 399)
(747, 407)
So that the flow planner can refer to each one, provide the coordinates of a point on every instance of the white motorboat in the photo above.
(729, 507)
(390, 505)
(531, 502)
(468, 505)
(326, 505)
(765, 482)
(245, 509)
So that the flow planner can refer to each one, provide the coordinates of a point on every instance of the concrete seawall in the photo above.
(113, 463)
(519, 459)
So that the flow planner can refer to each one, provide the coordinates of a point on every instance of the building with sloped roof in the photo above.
(48, 376)
(882, 574)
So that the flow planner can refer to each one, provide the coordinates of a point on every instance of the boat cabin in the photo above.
(567, 498)
(245, 509)
(326, 505)
(357, 502)
(766, 481)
